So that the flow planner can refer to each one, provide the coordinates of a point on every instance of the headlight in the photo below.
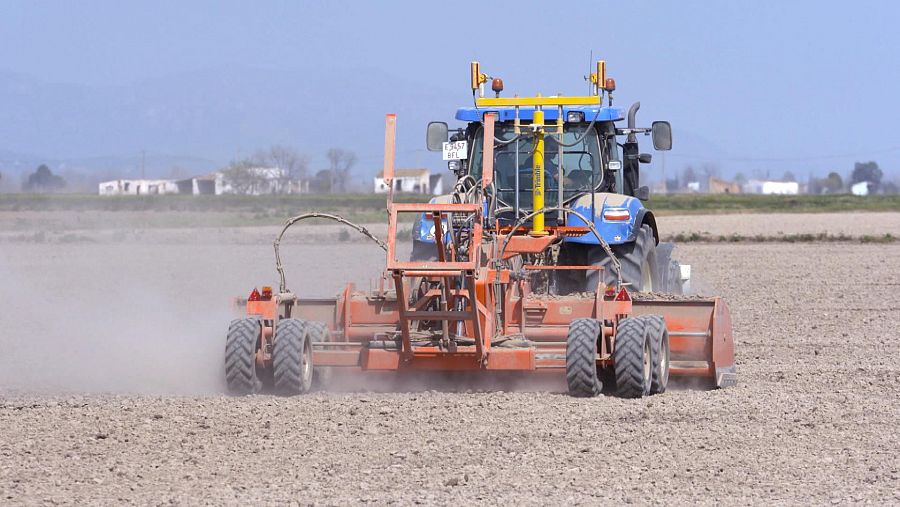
(575, 117)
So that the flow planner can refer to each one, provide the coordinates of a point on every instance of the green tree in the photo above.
(43, 180)
(867, 171)
(831, 184)
(244, 177)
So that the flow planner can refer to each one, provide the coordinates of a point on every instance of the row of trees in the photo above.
(291, 171)
(833, 183)
(862, 171)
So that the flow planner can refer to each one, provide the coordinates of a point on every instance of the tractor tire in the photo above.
(240, 357)
(317, 332)
(633, 359)
(659, 339)
(292, 358)
(581, 358)
(421, 252)
(669, 270)
(638, 261)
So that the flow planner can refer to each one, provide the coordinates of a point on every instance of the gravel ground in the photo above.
(813, 419)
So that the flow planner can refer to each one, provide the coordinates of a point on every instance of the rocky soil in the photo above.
(110, 390)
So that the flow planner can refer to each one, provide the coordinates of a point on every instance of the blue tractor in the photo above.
(573, 158)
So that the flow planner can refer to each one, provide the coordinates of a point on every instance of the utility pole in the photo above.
(663, 171)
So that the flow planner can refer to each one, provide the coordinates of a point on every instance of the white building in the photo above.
(416, 181)
(772, 187)
(861, 188)
(138, 187)
(251, 181)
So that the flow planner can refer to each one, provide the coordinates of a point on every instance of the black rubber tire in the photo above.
(659, 337)
(669, 270)
(635, 258)
(581, 358)
(317, 332)
(292, 358)
(240, 356)
(632, 359)
(421, 251)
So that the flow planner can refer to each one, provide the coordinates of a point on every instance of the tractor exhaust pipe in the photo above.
(632, 115)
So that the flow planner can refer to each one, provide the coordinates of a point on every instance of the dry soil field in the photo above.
(111, 363)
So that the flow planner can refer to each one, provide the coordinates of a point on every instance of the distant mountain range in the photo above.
(194, 123)
(198, 121)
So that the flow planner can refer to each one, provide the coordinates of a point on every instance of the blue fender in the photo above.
(423, 232)
(614, 232)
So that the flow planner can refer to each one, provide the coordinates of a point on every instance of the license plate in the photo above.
(456, 150)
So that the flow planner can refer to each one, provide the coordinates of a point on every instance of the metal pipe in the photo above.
(537, 174)
(632, 120)
(561, 218)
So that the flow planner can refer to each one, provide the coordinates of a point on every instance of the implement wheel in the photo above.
(633, 358)
(292, 358)
(659, 340)
(317, 332)
(581, 358)
(240, 356)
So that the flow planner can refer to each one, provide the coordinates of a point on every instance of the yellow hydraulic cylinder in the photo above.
(537, 176)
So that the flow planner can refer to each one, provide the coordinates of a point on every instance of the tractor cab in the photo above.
(579, 151)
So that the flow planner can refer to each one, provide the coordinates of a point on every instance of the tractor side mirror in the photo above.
(436, 135)
(662, 135)
(643, 193)
(645, 158)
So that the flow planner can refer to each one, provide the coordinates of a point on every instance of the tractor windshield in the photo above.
(580, 164)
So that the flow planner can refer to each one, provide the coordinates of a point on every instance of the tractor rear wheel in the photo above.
(317, 332)
(240, 356)
(659, 340)
(633, 358)
(669, 270)
(581, 358)
(638, 261)
(421, 251)
(292, 358)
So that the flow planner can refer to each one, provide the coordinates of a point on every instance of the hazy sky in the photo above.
(753, 86)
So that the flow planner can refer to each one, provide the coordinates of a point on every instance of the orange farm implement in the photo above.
(480, 304)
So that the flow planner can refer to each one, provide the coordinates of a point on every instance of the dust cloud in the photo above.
(146, 315)
(109, 326)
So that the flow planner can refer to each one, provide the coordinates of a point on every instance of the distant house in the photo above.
(249, 181)
(208, 184)
(256, 181)
(138, 187)
(717, 186)
(772, 187)
(861, 188)
(416, 181)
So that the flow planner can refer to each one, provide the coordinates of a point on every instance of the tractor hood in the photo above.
(609, 215)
